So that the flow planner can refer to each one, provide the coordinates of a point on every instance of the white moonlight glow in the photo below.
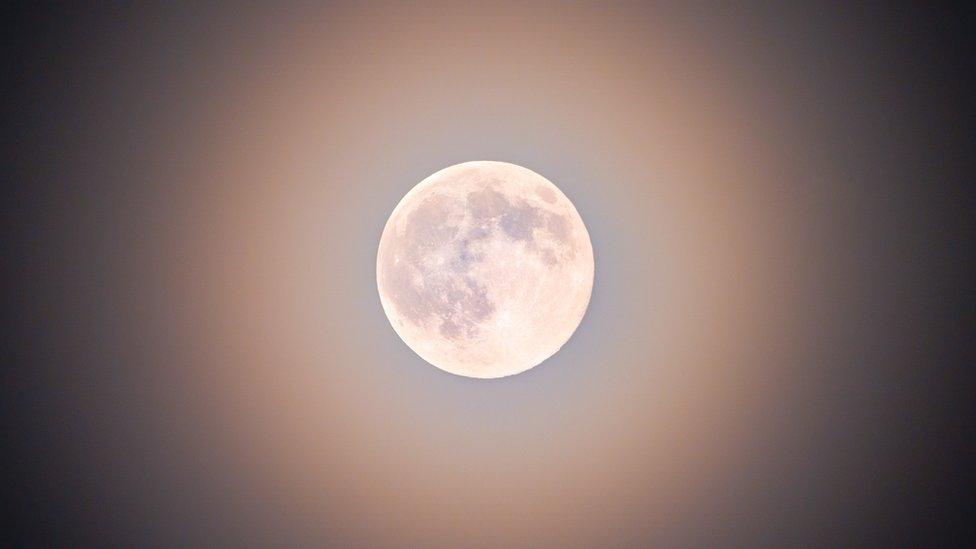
(485, 269)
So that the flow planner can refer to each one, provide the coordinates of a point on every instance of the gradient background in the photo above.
(775, 350)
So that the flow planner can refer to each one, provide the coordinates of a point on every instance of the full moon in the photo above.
(485, 269)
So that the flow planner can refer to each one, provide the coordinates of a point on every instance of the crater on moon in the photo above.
(485, 269)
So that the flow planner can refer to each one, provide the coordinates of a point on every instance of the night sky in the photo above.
(776, 353)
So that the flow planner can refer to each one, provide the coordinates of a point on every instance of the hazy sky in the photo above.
(775, 198)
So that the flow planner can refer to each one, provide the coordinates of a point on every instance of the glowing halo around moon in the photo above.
(485, 269)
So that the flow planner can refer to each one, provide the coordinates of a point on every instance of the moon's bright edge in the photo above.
(485, 269)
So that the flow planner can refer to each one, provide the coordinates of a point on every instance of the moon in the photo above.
(485, 269)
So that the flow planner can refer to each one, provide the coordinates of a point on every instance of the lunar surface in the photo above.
(485, 269)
